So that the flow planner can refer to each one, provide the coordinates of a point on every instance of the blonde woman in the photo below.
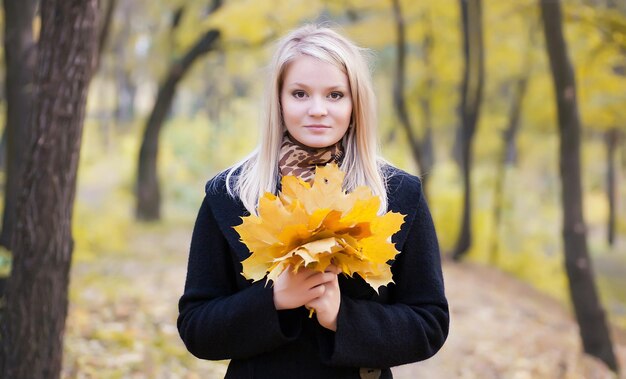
(320, 109)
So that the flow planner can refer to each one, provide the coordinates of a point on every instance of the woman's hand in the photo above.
(293, 290)
(327, 304)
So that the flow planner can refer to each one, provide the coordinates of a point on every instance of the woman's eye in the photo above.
(336, 95)
(299, 94)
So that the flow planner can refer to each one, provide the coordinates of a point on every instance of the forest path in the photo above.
(503, 328)
(122, 317)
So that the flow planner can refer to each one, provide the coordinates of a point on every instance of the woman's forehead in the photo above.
(306, 70)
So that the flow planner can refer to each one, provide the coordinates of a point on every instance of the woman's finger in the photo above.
(320, 278)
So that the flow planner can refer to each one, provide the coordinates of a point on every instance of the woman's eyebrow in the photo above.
(330, 88)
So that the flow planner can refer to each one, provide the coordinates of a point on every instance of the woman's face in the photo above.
(315, 102)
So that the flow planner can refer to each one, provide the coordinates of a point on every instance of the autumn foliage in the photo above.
(317, 225)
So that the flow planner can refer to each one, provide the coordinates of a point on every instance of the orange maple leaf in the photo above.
(317, 225)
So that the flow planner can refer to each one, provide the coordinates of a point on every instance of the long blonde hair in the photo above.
(362, 164)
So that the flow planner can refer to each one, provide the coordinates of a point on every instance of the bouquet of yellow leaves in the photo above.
(317, 225)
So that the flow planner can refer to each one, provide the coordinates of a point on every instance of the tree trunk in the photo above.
(427, 143)
(3, 148)
(20, 55)
(36, 296)
(594, 330)
(126, 93)
(509, 150)
(472, 89)
(105, 30)
(623, 160)
(398, 88)
(148, 193)
(125, 87)
(107, 9)
(612, 141)
(422, 151)
(507, 159)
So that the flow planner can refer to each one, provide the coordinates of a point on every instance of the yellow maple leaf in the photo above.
(317, 225)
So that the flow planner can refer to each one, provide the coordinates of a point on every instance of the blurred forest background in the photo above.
(466, 101)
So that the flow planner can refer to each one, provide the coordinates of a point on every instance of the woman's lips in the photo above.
(317, 127)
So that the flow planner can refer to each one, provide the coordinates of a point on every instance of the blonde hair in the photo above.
(362, 164)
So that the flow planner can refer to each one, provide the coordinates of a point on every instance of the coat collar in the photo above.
(403, 190)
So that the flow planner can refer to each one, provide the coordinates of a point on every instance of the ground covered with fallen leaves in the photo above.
(122, 321)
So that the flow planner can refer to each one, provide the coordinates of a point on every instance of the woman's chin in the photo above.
(317, 141)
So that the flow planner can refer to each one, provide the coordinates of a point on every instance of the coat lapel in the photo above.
(403, 192)
(228, 213)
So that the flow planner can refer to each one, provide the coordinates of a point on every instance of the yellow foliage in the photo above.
(254, 21)
(445, 202)
(596, 207)
(95, 232)
(544, 272)
(385, 32)
(116, 336)
(319, 225)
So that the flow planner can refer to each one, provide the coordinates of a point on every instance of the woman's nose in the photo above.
(317, 107)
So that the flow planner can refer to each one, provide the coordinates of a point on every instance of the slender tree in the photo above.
(594, 330)
(612, 142)
(425, 102)
(20, 56)
(105, 30)
(126, 89)
(31, 342)
(147, 187)
(612, 33)
(509, 149)
(421, 149)
(472, 91)
(507, 159)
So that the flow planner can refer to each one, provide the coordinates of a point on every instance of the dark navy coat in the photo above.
(224, 316)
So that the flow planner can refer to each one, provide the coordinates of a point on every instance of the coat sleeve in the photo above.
(413, 326)
(216, 320)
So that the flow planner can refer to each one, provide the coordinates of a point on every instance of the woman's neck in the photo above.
(300, 160)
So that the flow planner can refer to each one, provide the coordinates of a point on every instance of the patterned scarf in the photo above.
(300, 160)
